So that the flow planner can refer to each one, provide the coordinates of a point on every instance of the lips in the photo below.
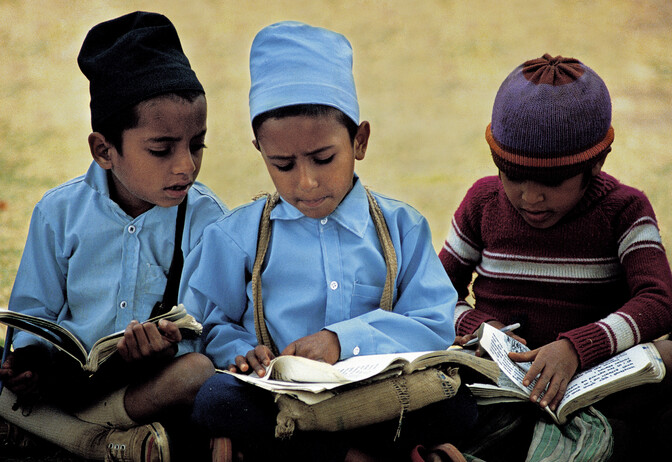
(311, 203)
(536, 216)
(178, 190)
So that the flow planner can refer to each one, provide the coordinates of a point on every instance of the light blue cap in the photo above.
(293, 63)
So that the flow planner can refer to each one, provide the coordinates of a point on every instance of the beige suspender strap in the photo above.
(386, 300)
(260, 328)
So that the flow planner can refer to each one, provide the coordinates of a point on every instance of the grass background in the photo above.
(426, 71)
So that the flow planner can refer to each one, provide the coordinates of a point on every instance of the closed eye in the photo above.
(284, 167)
(324, 161)
(197, 147)
(159, 153)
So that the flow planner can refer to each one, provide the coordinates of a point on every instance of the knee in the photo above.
(190, 372)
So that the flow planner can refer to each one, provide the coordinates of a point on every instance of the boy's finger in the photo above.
(256, 366)
(263, 355)
(170, 331)
(290, 350)
(540, 392)
(153, 335)
(138, 343)
(534, 370)
(241, 364)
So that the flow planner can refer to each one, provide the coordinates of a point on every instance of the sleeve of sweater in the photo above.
(462, 250)
(648, 313)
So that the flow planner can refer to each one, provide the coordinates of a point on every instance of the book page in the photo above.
(498, 345)
(295, 373)
(355, 369)
(625, 363)
(49, 331)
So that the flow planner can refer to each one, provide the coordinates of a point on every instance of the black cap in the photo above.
(133, 58)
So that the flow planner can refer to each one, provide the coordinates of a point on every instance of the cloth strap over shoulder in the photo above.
(387, 299)
(175, 271)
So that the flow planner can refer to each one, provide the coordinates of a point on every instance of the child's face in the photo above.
(311, 160)
(543, 206)
(161, 155)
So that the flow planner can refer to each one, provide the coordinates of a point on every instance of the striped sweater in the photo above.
(599, 278)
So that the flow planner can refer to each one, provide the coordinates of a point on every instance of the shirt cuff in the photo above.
(353, 338)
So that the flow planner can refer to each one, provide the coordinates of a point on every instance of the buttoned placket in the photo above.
(130, 253)
(330, 245)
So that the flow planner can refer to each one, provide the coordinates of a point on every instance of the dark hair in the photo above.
(557, 180)
(550, 182)
(113, 127)
(307, 110)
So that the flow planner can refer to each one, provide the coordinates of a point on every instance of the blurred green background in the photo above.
(426, 72)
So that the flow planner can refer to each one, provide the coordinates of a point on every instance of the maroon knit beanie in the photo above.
(551, 120)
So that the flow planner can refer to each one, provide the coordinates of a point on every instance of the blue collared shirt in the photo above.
(91, 267)
(324, 273)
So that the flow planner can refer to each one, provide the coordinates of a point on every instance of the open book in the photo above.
(64, 340)
(638, 365)
(311, 381)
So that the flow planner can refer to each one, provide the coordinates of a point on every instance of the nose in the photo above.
(531, 192)
(184, 162)
(307, 178)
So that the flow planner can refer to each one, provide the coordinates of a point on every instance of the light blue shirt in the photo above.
(91, 267)
(320, 273)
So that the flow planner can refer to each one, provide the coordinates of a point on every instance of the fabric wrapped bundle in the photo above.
(367, 404)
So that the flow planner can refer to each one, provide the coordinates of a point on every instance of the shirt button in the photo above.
(324, 220)
(355, 351)
(131, 229)
(333, 285)
(123, 304)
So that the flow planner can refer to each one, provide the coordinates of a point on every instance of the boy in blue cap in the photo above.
(330, 288)
(100, 247)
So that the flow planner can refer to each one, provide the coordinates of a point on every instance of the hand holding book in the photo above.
(148, 340)
(635, 366)
(103, 348)
(553, 366)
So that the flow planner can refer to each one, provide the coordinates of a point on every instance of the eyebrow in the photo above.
(310, 153)
(164, 139)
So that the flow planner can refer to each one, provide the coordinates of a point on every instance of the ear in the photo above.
(362, 140)
(597, 168)
(100, 150)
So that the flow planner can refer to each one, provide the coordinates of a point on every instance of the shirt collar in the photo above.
(352, 213)
(96, 178)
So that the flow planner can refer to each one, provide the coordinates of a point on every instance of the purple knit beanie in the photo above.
(551, 120)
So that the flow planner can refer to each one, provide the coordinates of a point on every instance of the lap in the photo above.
(227, 407)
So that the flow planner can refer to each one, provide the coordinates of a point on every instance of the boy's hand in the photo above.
(555, 364)
(256, 360)
(320, 346)
(147, 340)
(21, 371)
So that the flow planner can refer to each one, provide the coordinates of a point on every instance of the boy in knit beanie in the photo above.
(100, 247)
(328, 281)
(558, 245)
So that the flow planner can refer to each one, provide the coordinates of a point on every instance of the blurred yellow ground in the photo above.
(426, 72)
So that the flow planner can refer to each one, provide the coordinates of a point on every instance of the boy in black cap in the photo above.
(99, 251)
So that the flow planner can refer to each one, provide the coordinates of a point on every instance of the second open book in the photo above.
(636, 366)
